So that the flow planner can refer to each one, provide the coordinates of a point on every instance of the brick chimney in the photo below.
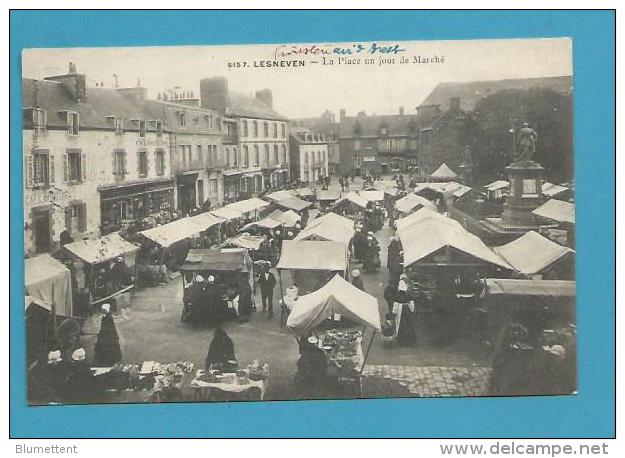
(214, 93)
(401, 111)
(74, 83)
(454, 104)
(266, 96)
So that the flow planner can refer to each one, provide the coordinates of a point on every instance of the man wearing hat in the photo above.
(267, 284)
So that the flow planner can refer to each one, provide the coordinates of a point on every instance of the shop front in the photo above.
(126, 203)
(232, 186)
(187, 191)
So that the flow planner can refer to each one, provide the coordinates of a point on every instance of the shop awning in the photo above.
(294, 203)
(543, 288)
(557, 210)
(328, 195)
(336, 296)
(411, 202)
(431, 234)
(228, 213)
(329, 227)
(532, 253)
(250, 242)
(313, 255)
(105, 248)
(289, 218)
(48, 282)
(355, 199)
(222, 260)
(249, 205)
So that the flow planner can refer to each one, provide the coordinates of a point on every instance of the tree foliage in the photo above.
(548, 112)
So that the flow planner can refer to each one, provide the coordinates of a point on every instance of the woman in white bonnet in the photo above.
(404, 310)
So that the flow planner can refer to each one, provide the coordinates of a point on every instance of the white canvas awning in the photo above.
(443, 173)
(328, 195)
(422, 213)
(496, 185)
(249, 205)
(48, 282)
(542, 288)
(267, 223)
(250, 242)
(413, 202)
(431, 234)
(552, 190)
(330, 227)
(336, 296)
(228, 213)
(294, 203)
(102, 249)
(289, 218)
(277, 196)
(313, 255)
(372, 196)
(532, 253)
(205, 220)
(176, 231)
(557, 210)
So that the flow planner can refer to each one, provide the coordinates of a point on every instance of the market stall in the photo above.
(289, 218)
(228, 266)
(351, 205)
(326, 197)
(250, 207)
(283, 194)
(411, 202)
(109, 263)
(312, 263)
(330, 227)
(536, 304)
(536, 256)
(312, 313)
(48, 282)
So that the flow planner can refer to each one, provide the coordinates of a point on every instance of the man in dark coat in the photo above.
(267, 284)
(393, 251)
(359, 244)
(356, 280)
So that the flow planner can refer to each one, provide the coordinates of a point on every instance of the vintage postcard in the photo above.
(299, 221)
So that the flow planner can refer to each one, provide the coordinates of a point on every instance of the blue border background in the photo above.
(590, 414)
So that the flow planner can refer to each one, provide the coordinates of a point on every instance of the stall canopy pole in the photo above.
(364, 359)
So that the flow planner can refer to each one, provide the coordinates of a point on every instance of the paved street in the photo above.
(150, 329)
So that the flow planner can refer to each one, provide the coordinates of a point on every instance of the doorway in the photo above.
(42, 230)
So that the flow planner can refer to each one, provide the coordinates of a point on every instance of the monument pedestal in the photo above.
(525, 194)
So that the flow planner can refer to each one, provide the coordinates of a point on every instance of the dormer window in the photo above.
(159, 128)
(73, 123)
(40, 117)
(182, 119)
(142, 128)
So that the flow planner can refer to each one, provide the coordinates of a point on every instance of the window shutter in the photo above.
(125, 164)
(138, 163)
(65, 168)
(83, 166)
(147, 165)
(82, 217)
(29, 170)
(52, 177)
(114, 163)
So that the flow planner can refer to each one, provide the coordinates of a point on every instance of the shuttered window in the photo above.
(142, 164)
(74, 166)
(160, 162)
(119, 164)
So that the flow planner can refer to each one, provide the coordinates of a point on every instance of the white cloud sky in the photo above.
(310, 90)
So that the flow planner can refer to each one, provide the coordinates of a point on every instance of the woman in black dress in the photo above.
(220, 351)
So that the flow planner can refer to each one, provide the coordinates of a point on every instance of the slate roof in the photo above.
(93, 110)
(243, 105)
(471, 92)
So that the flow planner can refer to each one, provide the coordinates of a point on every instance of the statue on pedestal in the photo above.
(526, 143)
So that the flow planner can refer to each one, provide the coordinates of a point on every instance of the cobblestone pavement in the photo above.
(435, 381)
